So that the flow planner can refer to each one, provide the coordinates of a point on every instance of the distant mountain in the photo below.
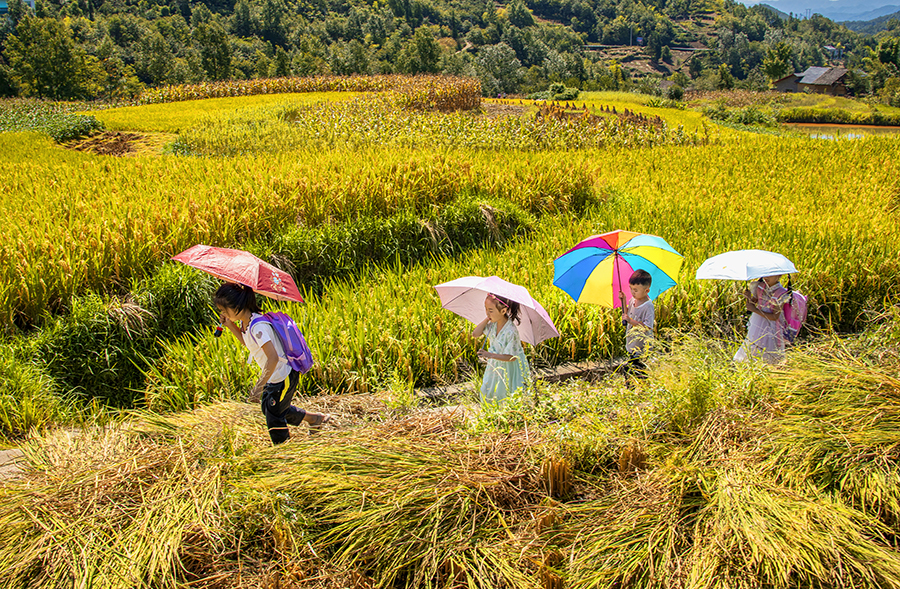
(870, 27)
(837, 10)
(781, 15)
(883, 12)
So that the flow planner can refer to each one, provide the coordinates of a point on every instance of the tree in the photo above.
(242, 21)
(45, 61)
(661, 35)
(778, 62)
(888, 51)
(17, 10)
(498, 69)
(726, 80)
(348, 58)
(271, 26)
(421, 55)
(215, 52)
(281, 66)
(156, 59)
(518, 15)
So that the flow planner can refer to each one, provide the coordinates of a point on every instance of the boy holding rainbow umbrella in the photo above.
(597, 270)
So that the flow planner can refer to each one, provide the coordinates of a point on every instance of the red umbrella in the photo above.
(242, 268)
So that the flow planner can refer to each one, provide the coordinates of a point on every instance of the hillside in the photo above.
(112, 49)
(870, 27)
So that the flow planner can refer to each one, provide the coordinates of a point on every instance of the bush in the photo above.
(316, 255)
(57, 120)
(68, 127)
(179, 298)
(675, 92)
(555, 92)
(96, 351)
(28, 398)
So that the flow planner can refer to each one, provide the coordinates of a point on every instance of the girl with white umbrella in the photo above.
(765, 299)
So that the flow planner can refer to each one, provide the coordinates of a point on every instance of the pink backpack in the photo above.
(794, 315)
(298, 354)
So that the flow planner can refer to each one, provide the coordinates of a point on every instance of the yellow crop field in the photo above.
(370, 200)
(172, 117)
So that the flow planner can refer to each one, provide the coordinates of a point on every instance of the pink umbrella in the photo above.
(242, 268)
(465, 297)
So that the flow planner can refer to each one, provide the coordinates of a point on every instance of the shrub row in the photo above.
(58, 120)
(836, 115)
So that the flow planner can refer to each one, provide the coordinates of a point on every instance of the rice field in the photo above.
(707, 475)
(107, 224)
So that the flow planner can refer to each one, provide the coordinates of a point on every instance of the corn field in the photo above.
(443, 93)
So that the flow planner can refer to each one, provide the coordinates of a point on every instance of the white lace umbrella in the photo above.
(744, 265)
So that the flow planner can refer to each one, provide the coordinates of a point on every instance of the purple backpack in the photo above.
(298, 354)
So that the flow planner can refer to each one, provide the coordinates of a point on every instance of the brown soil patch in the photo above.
(122, 143)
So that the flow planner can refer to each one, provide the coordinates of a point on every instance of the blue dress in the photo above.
(502, 378)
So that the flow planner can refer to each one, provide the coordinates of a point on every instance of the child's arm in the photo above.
(751, 306)
(492, 356)
(267, 372)
(479, 329)
(234, 329)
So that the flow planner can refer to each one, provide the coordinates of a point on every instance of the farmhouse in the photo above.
(819, 80)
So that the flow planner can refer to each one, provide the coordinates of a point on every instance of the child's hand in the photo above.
(255, 395)
(484, 354)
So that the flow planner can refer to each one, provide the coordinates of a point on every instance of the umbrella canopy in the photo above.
(465, 297)
(744, 265)
(597, 269)
(242, 268)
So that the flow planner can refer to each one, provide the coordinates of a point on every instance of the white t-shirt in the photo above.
(256, 337)
(637, 336)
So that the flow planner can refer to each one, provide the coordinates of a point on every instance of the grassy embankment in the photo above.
(707, 476)
(771, 108)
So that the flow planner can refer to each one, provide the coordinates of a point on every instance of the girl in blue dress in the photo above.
(507, 368)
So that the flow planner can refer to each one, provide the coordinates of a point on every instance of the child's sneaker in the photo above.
(321, 419)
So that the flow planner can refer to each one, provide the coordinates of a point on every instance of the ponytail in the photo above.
(236, 296)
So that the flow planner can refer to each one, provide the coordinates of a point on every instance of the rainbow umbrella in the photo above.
(598, 268)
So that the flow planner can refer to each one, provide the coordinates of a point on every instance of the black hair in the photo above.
(511, 306)
(641, 277)
(236, 296)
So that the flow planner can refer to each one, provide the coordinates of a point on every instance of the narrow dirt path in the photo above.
(9, 463)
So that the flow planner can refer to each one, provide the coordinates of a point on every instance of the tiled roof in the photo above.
(822, 76)
(832, 76)
(812, 74)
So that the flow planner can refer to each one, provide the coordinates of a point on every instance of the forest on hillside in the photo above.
(113, 49)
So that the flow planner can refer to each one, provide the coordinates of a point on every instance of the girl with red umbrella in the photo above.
(247, 275)
(277, 381)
